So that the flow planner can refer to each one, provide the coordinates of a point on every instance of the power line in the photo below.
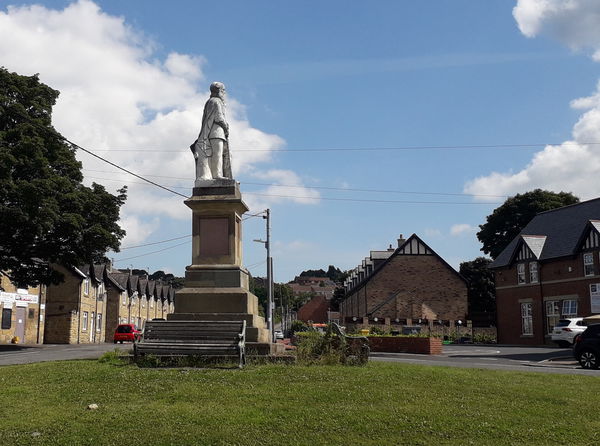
(343, 189)
(157, 243)
(363, 149)
(78, 147)
(150, 253)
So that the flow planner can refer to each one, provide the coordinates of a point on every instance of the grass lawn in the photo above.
(379, 404)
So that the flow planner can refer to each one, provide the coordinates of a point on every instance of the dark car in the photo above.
(587, 347)
(126, 332)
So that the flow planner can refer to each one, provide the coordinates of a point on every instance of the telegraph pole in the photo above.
(270, 321)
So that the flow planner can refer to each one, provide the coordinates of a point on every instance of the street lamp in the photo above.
(267, 243)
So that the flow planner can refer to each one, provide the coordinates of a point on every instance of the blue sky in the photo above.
(322, 75)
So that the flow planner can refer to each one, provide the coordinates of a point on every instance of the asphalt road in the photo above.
(25, 354)
(529, 359)
(526, 359)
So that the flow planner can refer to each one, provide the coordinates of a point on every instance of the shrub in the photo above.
(114, 357)
(375, 330)
(299, 326)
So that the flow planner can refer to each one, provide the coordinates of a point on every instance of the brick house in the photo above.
(22, 312)
(408, 285)
(76, 308)
(549, 271)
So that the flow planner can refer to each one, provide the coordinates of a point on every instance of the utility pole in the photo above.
(267, 243)
(270, 321)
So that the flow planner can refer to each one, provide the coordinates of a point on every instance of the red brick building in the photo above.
(549, 271)
(406, 285)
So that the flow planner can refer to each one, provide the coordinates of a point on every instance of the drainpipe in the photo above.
(96, 316)
(79, 311)
(39, 313)
(543, 303)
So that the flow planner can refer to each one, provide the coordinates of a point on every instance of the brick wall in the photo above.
(558, 280)
(314, 310)
(427, 288)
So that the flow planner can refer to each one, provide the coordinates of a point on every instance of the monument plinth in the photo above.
(216, 283)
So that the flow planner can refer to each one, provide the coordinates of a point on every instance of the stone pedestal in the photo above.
(216, 284)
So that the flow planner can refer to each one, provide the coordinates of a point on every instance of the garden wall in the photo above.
(405, 344)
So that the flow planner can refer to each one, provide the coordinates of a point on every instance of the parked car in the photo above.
(278, 334)
(126, 332)
(565, 331)
(587, 347)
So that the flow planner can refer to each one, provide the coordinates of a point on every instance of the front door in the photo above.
(20, 328)
(92, 322)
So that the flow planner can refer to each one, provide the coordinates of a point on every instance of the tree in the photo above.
(481, 290)
(166, 278)
(507, 220)
(47, 214)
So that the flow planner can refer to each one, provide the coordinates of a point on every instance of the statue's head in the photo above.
(217, 89)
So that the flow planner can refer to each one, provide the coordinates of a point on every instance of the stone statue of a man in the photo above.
(211, 149)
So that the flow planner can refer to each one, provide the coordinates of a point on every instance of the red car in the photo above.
(127, 332)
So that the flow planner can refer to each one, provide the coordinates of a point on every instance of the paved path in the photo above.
(25, 354)
(530, 359)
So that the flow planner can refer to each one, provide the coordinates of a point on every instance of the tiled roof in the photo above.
(562, 227)
(119, 279)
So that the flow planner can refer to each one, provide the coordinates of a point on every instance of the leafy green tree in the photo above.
(338, 296)
(47, 214)
(507, 220)
(481, 290)
(167, 278)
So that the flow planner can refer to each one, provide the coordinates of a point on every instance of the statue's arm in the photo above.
(221, 120)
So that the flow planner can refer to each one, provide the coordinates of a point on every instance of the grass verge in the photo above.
(379, 404)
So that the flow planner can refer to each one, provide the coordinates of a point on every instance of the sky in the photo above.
(353, 123)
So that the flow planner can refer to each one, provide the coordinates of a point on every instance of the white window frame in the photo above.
(144, 301)
(521, 279)
(552, 309)
(533, 272)
(123, 298)
(151, 303)
(84, 322)
(588, 261)
(99, 322)
(527, 319)
(569, 307)
(86, 287)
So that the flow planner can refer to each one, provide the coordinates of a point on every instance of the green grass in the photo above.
(379, 404)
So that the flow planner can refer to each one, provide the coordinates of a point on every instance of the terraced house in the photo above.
(548, 272)
(22, 313)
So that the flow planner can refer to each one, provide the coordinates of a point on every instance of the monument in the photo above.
(216, 283)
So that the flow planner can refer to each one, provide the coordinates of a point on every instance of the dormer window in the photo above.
(533, 272)
(588, 264)
(521, 273)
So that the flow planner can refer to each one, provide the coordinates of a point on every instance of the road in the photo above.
(528, 359)
(25, 354)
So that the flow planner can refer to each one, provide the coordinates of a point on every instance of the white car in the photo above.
(565, 331)
(278, 334)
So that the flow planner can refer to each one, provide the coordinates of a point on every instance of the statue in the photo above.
(211, 149)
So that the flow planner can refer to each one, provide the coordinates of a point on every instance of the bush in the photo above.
(327, 348)
(375, 330)
(299, 326)
(115, 357)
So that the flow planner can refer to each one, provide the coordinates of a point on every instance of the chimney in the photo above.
(401, 240)
(390, 248)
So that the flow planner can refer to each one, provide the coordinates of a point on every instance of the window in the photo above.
(85, 321)
(86, 286)
(552, 315)
(588, 264)
(99, 323)
(123, 298)
(6, 318)
(569, 307)
(526, 319)
(151, 303)
(533, 272)
(521, 273)
(143, 301)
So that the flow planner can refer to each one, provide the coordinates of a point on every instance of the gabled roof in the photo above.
(119, 280)
(142, 285)
(535, 243)
(563, 228)
(406, 248)
(98, 271)
(133, 283)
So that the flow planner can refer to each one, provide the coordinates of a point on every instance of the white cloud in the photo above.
(573, 165)
(461, 228)
(429, 232)
(293, 187)
(573, 22)
(137, 229)
(116, 94)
